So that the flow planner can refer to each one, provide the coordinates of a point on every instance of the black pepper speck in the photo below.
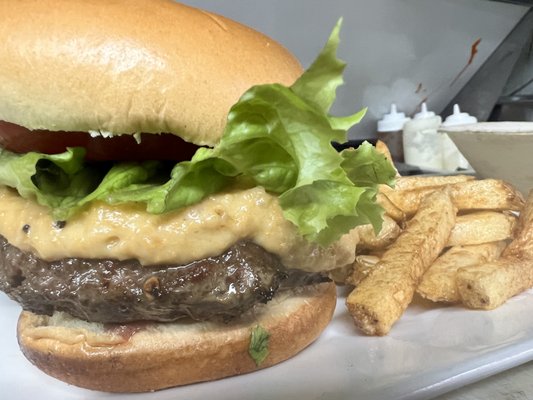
(60, 224)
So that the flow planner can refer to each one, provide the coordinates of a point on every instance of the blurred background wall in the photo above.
(401, 51)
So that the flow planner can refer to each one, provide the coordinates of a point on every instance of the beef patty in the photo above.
(111, 291)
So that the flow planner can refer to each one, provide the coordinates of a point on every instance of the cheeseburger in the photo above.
(170, 201)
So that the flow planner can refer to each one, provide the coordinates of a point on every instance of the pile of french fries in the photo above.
(450, 239)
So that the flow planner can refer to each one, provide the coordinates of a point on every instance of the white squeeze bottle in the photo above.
(390, 128)
(422, 143)
(452, 157)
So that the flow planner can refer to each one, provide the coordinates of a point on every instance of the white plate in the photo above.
(429, 352)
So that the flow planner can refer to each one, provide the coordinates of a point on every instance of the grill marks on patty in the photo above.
(111, 291)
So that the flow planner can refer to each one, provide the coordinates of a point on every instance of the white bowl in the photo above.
(501, 150)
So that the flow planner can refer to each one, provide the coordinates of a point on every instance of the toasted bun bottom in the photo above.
(147, 357)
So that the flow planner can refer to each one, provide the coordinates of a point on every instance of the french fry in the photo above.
(419, 181)
(380, 299)
(487, 286)
(522, 245)
(486, 194)
(439, 282)
(390, 209)
(482, 227)
(368, 240)
(363, 265)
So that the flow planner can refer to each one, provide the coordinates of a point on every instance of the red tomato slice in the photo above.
(165, 146)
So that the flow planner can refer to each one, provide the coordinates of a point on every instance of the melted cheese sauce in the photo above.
(205, 229)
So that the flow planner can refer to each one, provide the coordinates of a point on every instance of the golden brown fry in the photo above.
(486, 194)
(482, 227)
(418, 181)
(522, 245)
(361, 268)
(381, 298)
(487, 286)
(390, 209)
(439, 281)
(368, 240)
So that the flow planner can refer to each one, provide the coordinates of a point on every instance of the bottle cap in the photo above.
(424, 113)
(459, 118)
(393, 121)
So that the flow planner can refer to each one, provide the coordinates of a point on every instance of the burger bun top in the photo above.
(130, 66)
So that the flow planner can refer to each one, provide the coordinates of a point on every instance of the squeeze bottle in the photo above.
(451, 156)
(422, 144)
(390, 131)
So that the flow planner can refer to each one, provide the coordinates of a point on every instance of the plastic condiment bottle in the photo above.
(422, 141)
(390, 131)
(452, 157)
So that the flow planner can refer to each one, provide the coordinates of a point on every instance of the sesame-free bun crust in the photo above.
(165, 355)
(128, 66)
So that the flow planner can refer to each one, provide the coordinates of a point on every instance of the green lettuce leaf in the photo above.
(318, 84)
(365, 166)
(56, 181)
(276, 137)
